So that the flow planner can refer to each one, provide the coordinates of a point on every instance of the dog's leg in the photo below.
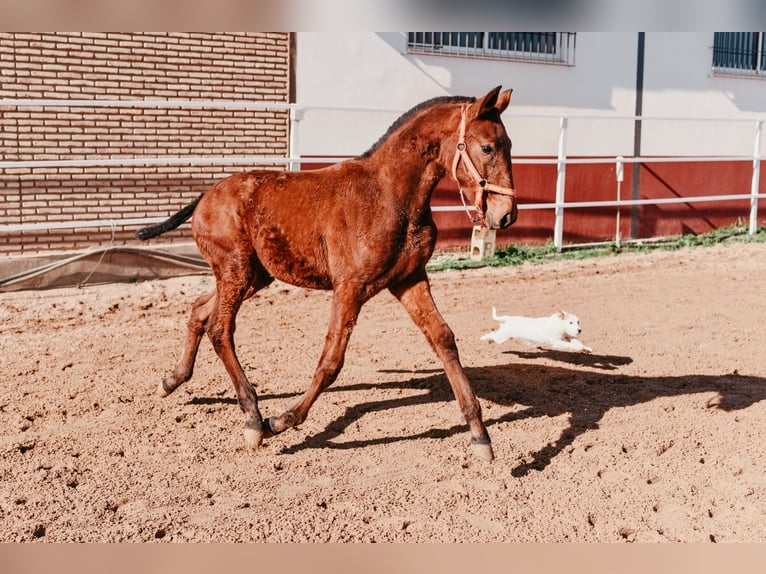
(571, 345)
(492, 336)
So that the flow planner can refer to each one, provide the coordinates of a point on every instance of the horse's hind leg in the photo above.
(201, 310)
(415, 296)
(234, 284)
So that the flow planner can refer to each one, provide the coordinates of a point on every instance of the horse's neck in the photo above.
(417, 156)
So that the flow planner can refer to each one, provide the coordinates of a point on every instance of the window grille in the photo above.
(541, 47)
(739, 53)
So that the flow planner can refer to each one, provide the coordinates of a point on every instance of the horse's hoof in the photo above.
(268, 430)
(253, 438)
(483, 451)
(278, 425)
(162, 390)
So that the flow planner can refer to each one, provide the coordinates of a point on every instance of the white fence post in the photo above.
(619, 175)
(756, 178)
(558, 227)
(296, 115)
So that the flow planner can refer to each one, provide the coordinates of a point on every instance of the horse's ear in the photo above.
(503, 100)
(493, 102)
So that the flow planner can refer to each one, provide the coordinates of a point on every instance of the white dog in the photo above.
(559, 331)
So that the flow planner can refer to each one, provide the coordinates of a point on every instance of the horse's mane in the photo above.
(407, 116)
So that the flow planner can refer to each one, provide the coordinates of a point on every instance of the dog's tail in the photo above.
(494, 314)
(170, 223)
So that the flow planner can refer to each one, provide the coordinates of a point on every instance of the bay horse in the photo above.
(356, 228)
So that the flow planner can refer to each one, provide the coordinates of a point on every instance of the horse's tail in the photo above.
(170, 223)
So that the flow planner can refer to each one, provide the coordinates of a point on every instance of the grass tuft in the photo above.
(518, 254)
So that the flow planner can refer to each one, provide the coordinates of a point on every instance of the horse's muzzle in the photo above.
(509, 218)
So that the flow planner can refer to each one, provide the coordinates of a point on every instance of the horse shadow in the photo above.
(545, 391)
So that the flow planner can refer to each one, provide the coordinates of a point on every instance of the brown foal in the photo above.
(356, 228)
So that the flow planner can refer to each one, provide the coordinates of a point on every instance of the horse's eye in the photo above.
(486, 149)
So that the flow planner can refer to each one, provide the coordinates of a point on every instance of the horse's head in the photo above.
(482, 162)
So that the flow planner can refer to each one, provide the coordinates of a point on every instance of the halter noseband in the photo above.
(481, 185)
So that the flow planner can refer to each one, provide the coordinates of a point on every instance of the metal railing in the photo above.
(538, 47)
(294, 160)
(562, 161)
(739, 52)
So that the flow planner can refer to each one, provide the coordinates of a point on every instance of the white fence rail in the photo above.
(294, 159)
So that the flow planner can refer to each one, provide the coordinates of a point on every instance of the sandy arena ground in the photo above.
(655, 436)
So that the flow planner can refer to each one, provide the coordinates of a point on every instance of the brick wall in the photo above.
(129, 66)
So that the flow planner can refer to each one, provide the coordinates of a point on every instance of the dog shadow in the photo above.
(603, 362)
(545, 391)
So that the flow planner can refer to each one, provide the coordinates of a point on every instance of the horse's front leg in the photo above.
(415, 296)
(346, 305)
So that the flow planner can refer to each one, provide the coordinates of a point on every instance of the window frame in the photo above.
(729, 47)
(557, 48)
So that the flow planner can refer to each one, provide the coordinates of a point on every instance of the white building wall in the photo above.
(679, 83)
(373, 71)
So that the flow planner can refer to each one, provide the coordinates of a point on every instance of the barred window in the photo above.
(541, 47)
(739, 53)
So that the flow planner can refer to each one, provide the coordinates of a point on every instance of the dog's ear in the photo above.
(561, 314)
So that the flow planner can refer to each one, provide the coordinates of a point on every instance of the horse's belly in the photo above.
(301, 277)
(284, 262)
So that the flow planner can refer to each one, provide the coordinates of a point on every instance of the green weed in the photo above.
(517, 254)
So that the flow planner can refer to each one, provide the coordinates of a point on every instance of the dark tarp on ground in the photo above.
(103, 265)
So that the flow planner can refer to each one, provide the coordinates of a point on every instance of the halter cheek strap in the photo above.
(481, 185)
